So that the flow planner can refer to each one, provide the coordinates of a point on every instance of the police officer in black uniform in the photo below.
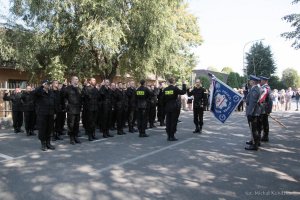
(199, 103)
(17, 111)
(131, 93)
(142, 97)
(152, 105)
(29, 111)
(45, 114)
(170, 95)
(119, 108)
(73, 104)
(58, 110)
(90, 101)
(160, 105)
(106, 109)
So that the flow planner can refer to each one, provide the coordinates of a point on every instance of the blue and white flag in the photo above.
(223, 100)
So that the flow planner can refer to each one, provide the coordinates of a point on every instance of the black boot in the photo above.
(252, 147)
(94, 136)
(265, 137)
(90, 137)
(105, 134)
(109, 135)
(77, 140)
(120, 132)
(43, 147)
(49, 146)
(57, 136)
(72, 141)
(197, 130)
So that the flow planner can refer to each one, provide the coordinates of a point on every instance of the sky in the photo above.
(227, 25)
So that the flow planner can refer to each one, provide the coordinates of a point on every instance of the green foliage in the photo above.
(290, 78)
(227, 70)
(276, 83)
(87, 37)
(233, 80)
(294, 19)
(205, 81)
(260, 60)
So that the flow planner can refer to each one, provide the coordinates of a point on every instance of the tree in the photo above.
(205, 81)
(276, 83)
(290, 78)
(87, 38)
(227, 70)
(232, 80)
(260, 60)
(294, 19)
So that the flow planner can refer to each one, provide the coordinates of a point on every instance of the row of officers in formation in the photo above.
(48, 107)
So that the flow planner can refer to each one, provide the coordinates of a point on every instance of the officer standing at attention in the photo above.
(142, 98)
(119, 108)
(253, 112)
(27, 99)
(90, 96)
(131, 93)
(58, 110)
(73, 104)
(45, 114)
(266, 108)
(106, 109)
(199, 103)
(170, 95)
(17, 111)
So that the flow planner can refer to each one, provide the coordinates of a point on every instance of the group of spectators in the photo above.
(282, 99)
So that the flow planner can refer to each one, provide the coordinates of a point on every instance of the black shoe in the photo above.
(120, 133)
(109, 135)
(250, 142)
(264, 139)
(251, 148)
(196, 130)
(43, 147)
(16, 131)
(77, 140)
(49, 146)
(72, 142)
(57, 137)
(90, 138)
(173, 139)
(32, 132)
(94, 137)
(145, 135)
(27, 133)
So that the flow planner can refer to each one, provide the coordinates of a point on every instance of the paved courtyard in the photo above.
(211, 165)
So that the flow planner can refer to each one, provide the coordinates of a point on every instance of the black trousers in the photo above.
(29, 118)
(254, 126)
(73, 124)
(171, 123)
(45, 126)
(113, 118)
(152, 113)
(142, 120)
(198, 116)
(131, 116)
(91, 119)
(105, 118)
(161, 114)
(263, 124)
(17, 119)
(59, 122)
(119, 112)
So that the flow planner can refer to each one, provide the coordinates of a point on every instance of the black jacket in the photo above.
(72, 99)
(106, 96)
(200, 97)
(130, 92)
(119, 99)
(58, 101)
(27, 99)
(15, 98)
(142, 96)
(44, 101)
(170, 96)
(91, 99)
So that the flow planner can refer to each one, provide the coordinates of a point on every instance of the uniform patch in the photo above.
(169, 92)
(140, 93)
